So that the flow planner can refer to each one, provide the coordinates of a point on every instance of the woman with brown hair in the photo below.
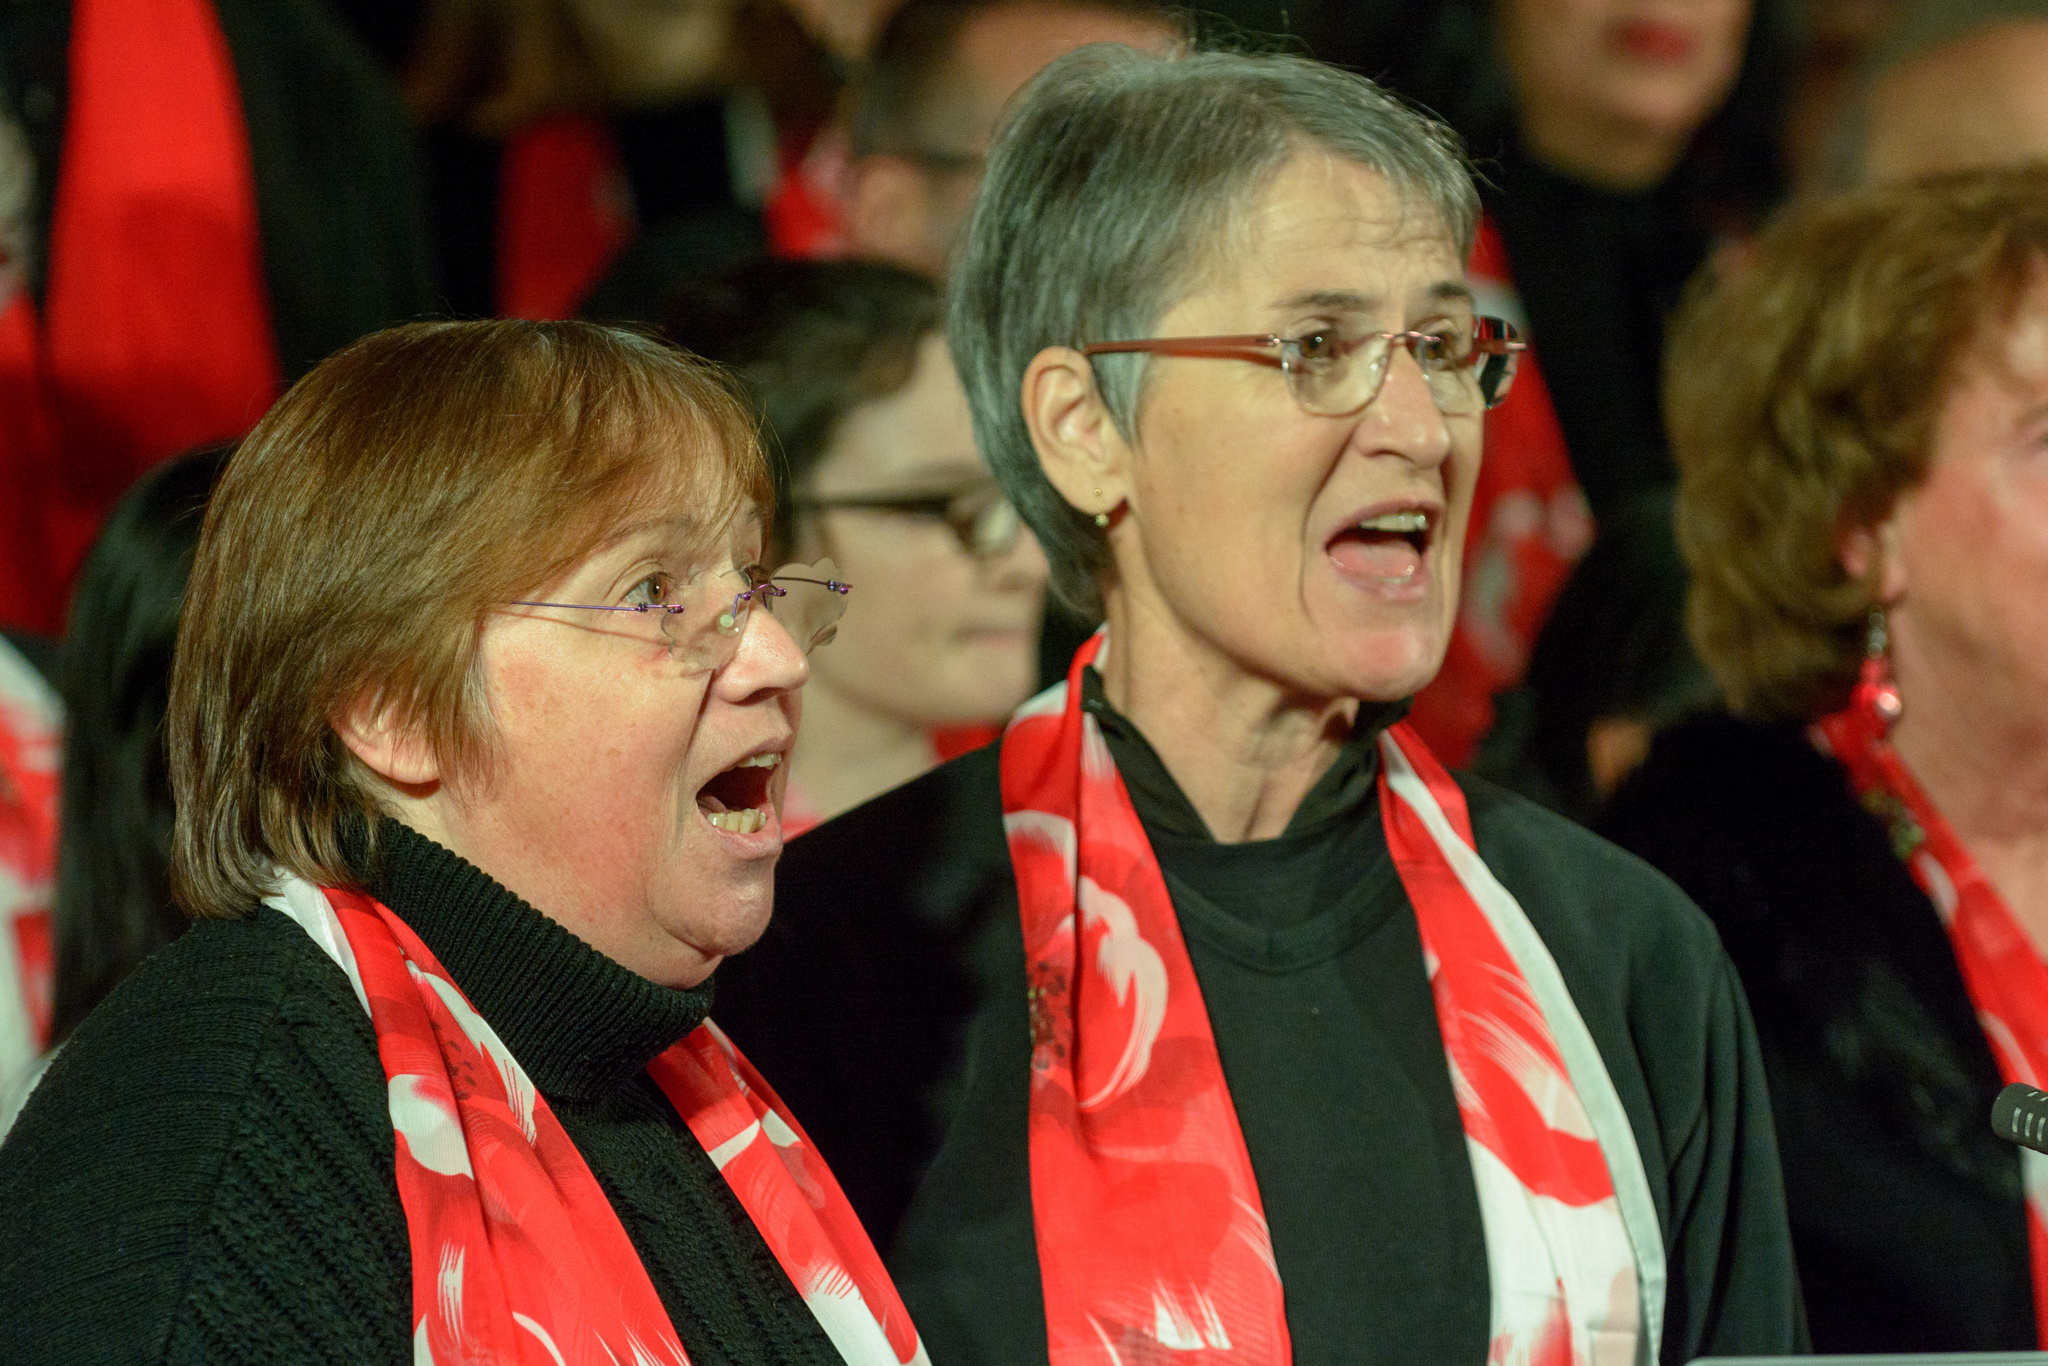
(477, 743)
(1861, 424)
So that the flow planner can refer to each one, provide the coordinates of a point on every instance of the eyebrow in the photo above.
(1443, 291)
(689, 529)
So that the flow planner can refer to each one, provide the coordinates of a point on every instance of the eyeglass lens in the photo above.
(1348, 376)
(985, 521)
(806, 601)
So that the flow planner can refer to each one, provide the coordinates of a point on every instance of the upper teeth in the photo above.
(1400, 523)
(768, 760)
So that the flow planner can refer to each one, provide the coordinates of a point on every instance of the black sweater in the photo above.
(206, 1172)
(888, 1002)
(1907, 1212)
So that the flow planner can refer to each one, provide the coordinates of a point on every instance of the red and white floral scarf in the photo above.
(30, 756)
(2004, 974)
(1151, 1232)
(516, 1254)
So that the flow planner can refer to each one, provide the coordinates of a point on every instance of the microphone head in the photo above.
(2020, 1115)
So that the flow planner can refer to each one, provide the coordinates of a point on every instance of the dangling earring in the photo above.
(1101, 518)
(1876, 695)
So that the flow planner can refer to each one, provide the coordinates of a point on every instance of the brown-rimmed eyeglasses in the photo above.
(1332, 374)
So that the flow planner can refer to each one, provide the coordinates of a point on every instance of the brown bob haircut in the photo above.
(362, 534)
(1801, 393)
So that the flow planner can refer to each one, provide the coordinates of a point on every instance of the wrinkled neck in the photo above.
(1243, 749)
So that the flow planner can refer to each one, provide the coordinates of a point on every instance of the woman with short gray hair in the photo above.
(1207, 1011)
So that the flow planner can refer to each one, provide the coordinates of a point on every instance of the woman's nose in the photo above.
(768, 662)
(1404, 416)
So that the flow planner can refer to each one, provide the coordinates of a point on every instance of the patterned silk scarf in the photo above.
(2004, 974)
(516, 1254)
(1150, 1229)
(30, 754)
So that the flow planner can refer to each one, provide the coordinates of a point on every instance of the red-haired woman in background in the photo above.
(1861, 425)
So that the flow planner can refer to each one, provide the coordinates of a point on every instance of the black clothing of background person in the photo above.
(206, 1172)
(340, 202)
(113, 905)
(887, 1002)
(1908, 1216)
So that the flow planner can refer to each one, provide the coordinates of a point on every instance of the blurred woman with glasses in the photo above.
(479, 722)
(1208, 1013)
(859, 398)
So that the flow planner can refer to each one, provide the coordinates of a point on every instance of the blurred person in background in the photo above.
(928, 100)
(919, 122)
(1156, 1027)
(848, 366)
(1861, 425)
(588, 156)
(478, 724)
(1954, 85)
(1623, 141)
(1836, 38)
(113, 905)
(198, 201)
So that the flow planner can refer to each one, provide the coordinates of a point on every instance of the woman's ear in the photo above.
(1871, 555)
(1079, 447)
(389, 746)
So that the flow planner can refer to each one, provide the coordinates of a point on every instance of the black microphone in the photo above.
(2021, 1114)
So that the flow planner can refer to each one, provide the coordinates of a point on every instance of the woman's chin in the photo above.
(1389, 665)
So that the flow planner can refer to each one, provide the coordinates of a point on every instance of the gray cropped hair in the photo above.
(1109, 191)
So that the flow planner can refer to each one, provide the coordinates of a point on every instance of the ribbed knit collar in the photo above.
(580, 1024)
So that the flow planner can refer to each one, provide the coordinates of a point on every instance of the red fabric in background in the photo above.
(155, 334)
(30, 588)
(806, 212)
(564, 213)
(1529, 527)
(30, 749)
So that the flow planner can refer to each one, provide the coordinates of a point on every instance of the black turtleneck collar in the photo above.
(1345, 788)
(580, 1024)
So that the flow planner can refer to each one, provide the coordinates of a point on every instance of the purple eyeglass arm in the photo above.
(642, 607)
(833, 585)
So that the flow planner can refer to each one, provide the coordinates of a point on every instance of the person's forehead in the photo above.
(677, 527)
(2020, 340)
(1977, 100)
(1003, 47)
(1324, 225)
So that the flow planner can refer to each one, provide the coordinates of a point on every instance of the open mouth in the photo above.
(736, 800)
(1390, 546)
